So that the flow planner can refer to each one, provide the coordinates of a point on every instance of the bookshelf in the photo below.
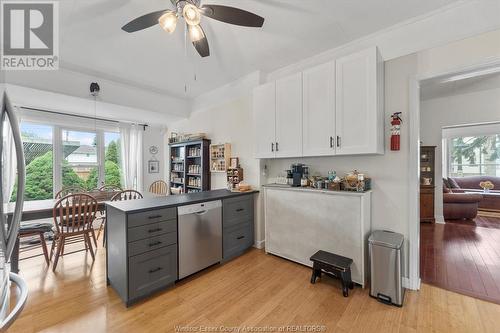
(189, 166)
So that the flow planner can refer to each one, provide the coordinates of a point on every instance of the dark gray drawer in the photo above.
(152, 270)
(152, 243)
(237, 210)
(151, 216)
(237, 239)
(150, 230)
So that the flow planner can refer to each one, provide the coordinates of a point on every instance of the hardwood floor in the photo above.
(462, 256)
(253, 290)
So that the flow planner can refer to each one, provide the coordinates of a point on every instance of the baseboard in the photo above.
(408, 285)
(259, 244)
(440, 220)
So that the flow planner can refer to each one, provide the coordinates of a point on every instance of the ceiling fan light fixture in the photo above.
(191, 14)
(168, 22)
(195, 33)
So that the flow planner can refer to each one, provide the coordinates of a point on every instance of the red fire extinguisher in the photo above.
(396, 131)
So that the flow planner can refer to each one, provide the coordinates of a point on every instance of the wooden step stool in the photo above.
(332, 263)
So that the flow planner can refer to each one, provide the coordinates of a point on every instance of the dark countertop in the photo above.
(132, 206)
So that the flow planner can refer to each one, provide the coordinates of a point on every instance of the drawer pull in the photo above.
(240, 209)
(154, 230)
(241, 237)
(154, 217)
(155, 270)
(155, 244)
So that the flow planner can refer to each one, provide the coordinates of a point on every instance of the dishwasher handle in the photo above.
(199, 208)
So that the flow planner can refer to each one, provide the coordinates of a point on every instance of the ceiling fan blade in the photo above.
(202, 45)
(145, 21)
(232, 15)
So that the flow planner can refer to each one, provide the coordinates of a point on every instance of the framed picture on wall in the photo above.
(154, 166)
(233, 164)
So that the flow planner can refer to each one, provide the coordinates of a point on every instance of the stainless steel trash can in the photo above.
(386, 267)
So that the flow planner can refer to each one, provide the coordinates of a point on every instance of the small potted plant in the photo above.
(486, 186)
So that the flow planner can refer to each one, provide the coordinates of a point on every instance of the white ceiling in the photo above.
(92, 41)
(460, 87)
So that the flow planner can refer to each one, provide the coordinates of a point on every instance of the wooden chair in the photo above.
(123, 196)
(69, 190)
(109, 189)
(73, 218)
(158, 187)
(127, 195)
(31, 229)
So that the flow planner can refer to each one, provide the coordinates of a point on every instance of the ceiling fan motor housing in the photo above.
(181, 3)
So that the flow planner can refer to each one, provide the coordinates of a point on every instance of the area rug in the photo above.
(488, 214)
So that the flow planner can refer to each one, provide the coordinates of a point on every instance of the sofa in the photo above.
(458, 205)
(491, 200)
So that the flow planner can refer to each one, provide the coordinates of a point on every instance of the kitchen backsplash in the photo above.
(319, 165)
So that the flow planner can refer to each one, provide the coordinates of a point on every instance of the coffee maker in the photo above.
(297, 172)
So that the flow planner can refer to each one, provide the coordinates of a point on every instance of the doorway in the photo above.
(458, 169)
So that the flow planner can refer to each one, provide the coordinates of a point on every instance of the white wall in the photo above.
(154, 136)
(465, 108)
(231, 123)
(389, 172)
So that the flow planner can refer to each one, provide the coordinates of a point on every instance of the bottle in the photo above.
(304, 182)
(289, 177)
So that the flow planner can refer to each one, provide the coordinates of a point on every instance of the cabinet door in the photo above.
(359, 97)
(152, 270)
(289, 116)
(264, 110)
(319, 110)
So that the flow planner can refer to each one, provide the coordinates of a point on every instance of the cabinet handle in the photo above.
(272, 147)
(331, 142)
(241, 237)
(155, 270)
(154, 230)
(338, 141)
(240, 209)
(154, 244)
(154, 217)
(277, 147)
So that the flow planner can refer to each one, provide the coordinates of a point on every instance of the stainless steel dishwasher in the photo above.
(200, 236)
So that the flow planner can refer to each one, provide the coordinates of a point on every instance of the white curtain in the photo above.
(131, 156)
(9, 165)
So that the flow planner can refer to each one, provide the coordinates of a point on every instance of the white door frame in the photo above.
(489, 66)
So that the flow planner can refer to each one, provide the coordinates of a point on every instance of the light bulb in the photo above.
(191, 14)
(195, 33)
(168, 22)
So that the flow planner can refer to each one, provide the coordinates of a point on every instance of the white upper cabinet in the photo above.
(332, 109)
(319, 110)
(264, 106)
(289, 116)
(359, 103)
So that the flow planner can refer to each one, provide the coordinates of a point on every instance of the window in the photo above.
(474, 155)
(112, 172)
(58, 157)
(38, 153)
(79, 165)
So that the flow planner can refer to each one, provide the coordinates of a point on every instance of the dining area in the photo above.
(74, 221)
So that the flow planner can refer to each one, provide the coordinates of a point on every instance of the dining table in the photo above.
(39, 210)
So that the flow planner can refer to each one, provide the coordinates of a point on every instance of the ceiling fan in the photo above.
(191, 11)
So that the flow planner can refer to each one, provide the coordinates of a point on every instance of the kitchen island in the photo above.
(154, 242)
